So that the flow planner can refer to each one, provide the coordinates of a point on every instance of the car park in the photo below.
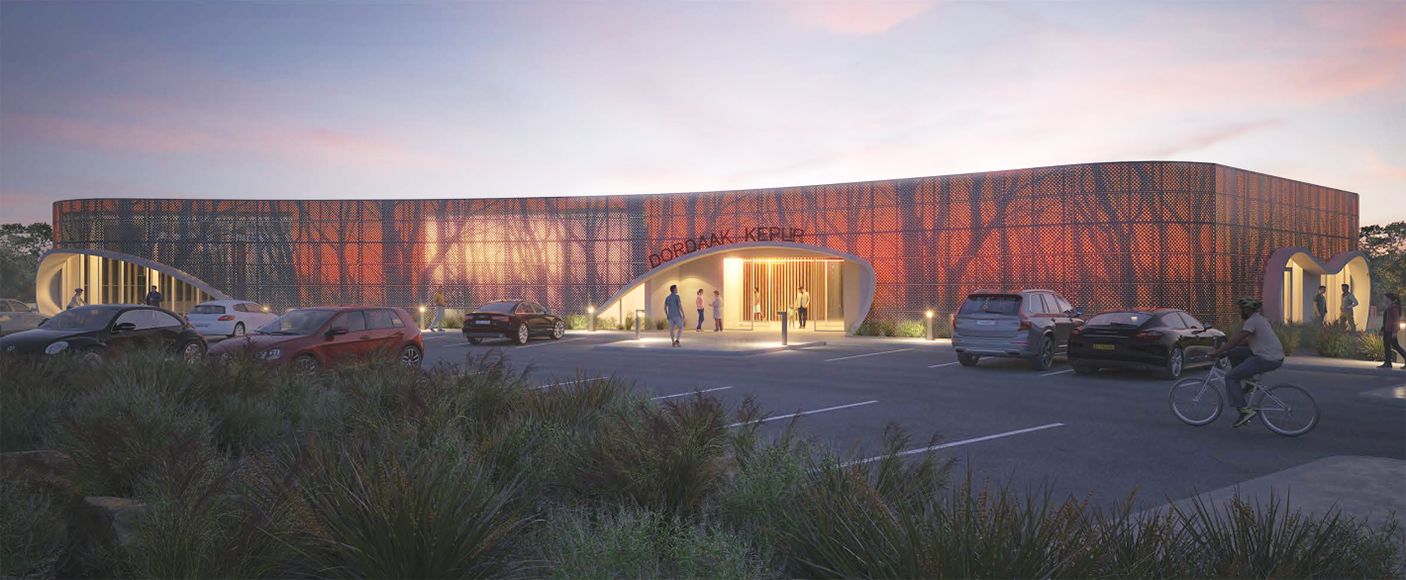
(16, 316)
(516, 320)
(1031, 324)
(229, 318)
(1163, 341)
(99, 332)
(323, 337)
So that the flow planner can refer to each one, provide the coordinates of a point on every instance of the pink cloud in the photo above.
(855, 16)
(110, 135)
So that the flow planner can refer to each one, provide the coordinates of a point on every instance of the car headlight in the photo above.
(56, 347)
(271, 354)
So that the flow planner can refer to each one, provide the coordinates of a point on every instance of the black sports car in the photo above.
(516, 320)
(97, 332)
(1163, 341)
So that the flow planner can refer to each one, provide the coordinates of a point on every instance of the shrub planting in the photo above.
(912, 329)
(1288, 335)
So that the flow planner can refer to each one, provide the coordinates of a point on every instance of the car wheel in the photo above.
(1173, 367)
(306, 364)
(93, 355)
(522, 334)
(475, 341)
(967, 360)
(1044, 358)
(1084, 369)
(558, 330)
(192, 351)
(411, 355)
(238, 330)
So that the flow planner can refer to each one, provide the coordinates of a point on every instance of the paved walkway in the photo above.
(1361, 488)
(1342, 365)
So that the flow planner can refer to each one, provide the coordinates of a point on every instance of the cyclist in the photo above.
(1263, 354)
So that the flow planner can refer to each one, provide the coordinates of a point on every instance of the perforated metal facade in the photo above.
(1106, 235)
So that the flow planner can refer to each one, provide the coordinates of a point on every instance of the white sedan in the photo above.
(231, 318)
(16, 316)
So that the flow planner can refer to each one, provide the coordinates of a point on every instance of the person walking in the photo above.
(153, 298)
(802, 305)
(756, 304)
(717, 311)
(1391, 321)
(673, 310)
(438, 324)
(1320, 305)
(76, 301)
(1349, 302)
(699, 304)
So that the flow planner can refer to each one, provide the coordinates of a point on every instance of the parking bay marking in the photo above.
(550, 343)
(957, 443)
(1057, 373)
(690, 393)
(812, 412)
(941, 365)
(867, 354)
(569, 383)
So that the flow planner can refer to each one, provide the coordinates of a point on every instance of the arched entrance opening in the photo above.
(1293, 275)
(114, 278)
(755, 281)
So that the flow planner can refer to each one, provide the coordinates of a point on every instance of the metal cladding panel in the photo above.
(1105, 235)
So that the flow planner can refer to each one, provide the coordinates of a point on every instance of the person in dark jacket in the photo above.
(1320, 305)
(1391, 321)
(154, 298)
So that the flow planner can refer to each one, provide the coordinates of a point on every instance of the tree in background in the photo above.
(20, 248)
(1385, 247)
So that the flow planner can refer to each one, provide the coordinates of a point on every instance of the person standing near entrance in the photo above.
(756, 303)
(699, 304)
(438, 324)
(1349, 303)
(673, 310)
(1320, 305)
(153, 298)
(802, 305)
(717, 311)
(76, 301)
(1391, 319)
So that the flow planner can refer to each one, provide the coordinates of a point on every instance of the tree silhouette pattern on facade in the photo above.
(1105, 235)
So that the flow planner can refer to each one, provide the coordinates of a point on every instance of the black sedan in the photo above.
(1163, 341)
(98, 332)
(516, 320)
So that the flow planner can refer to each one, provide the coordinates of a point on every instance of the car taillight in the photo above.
(226, 318)
(1025, 325)
(1077, 332)
(1148, 335)
(500, 319)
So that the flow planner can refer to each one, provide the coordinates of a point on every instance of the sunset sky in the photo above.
(272, 100)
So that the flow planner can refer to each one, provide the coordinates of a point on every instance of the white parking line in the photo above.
(803, 413)
(569, 383)
(867, 354)
(941, 365)
(549, 343)
(1057, 373)
(690, 393)
(957, 443)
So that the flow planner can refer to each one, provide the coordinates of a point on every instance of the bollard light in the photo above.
(591, 315)
(785, 325)
(422, 316)
(929, 315)
(266, 309)
(639, 323)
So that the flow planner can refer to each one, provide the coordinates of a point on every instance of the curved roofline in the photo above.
(720, 191)
(159, 267)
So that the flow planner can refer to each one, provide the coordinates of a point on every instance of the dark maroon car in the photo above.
(322, 337)
(515, 320)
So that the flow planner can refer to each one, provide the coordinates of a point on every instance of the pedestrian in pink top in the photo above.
(700, 311)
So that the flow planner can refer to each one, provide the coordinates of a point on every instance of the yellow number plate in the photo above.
(1103, 347)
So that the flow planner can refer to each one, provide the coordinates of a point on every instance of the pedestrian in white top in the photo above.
(1349, 302)
(717, 311)
(77, 300)
(802, 305)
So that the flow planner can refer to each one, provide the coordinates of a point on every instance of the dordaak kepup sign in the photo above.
(724, 237)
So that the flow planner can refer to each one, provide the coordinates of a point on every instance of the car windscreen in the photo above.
(1007, 305)
(298, 322)
(81, 319)
(498, 307)
(1133, 319)
(208, 309)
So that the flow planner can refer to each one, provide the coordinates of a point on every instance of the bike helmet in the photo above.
(1249, 302)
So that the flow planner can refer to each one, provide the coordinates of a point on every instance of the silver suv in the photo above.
(1031, 324)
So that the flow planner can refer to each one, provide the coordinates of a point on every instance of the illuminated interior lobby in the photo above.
(1105, 235)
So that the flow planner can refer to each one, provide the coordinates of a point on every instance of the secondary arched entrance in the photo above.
(756, 280)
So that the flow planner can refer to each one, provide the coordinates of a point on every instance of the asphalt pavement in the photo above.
(1102, 436)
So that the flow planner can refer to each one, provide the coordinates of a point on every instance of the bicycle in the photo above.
(1286, 409)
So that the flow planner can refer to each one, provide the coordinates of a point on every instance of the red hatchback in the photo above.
(323, 337)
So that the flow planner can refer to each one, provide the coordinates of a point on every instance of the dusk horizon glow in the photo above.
(469, 100)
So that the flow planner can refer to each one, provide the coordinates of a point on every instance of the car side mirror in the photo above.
(337, 331)
(124, 327)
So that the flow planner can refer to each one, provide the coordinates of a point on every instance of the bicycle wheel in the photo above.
(1288, 410)
(1195, 401)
